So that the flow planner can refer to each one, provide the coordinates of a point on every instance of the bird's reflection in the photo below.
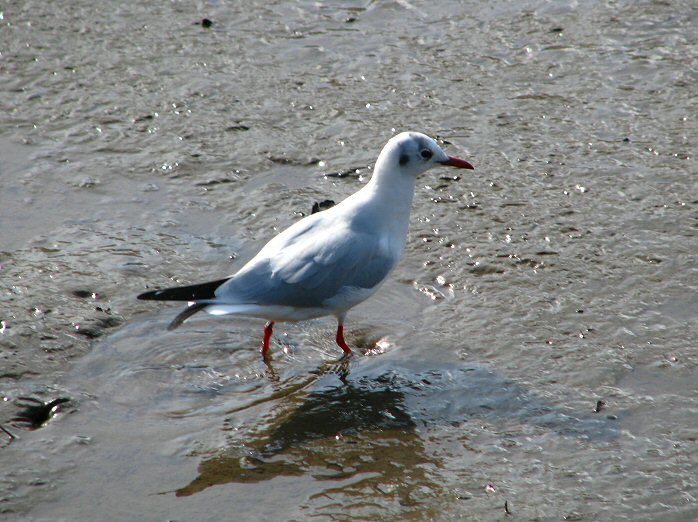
(369, 427)
(341, 368)
(348, 429)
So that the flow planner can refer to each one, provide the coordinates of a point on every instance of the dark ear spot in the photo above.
(404, 159)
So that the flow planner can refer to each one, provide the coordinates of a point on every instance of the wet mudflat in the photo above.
(536, 346)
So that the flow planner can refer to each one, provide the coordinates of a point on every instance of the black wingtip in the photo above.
(147, 296)
(184, 293)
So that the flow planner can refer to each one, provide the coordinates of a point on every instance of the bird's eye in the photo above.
(426, 154)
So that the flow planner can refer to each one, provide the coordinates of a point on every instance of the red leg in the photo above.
(340, 339)
(268, 328)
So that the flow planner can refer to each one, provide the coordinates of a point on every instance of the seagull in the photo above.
(329, 261)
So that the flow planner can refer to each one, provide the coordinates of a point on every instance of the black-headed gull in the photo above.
(330, 261)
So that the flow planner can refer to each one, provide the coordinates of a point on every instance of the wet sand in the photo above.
(536, 346)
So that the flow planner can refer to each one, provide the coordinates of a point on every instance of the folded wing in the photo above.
(310, 267)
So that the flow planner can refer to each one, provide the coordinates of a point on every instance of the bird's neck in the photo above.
(391, 193)
(392, 186)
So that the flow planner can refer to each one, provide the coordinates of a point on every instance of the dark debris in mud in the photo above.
(84, 293)
(35, 413)
(347, 173)
(283, 159)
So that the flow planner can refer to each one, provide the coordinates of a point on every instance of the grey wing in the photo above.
(311, 270)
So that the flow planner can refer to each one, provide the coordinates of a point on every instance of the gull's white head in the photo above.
(412, 153)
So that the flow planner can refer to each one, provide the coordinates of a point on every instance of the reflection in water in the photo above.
(348, 430)
(368, 432)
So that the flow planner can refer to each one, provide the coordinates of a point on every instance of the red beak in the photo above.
(455, 162)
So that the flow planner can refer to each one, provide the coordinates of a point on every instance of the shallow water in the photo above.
(139, 148)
